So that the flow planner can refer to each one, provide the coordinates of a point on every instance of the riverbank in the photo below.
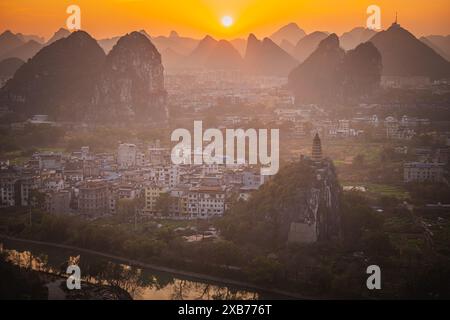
(182, 273)
(57, 290)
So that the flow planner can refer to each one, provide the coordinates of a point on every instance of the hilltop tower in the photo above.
(317, 149)
(396, 24)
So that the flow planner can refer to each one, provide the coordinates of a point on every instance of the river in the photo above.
(140, 283)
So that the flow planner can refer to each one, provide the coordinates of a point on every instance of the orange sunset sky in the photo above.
(195, 18)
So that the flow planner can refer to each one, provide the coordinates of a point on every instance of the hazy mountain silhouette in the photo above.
(7, 69)
(288, 47)
(131, 83)
(178, 44)
(24, 51)
(253, 52)
(404, 55)
(267, 58)
(145, 33)
(290, 32)
(361, 71)
(350, 40)
(308, 45)
(29, 37)
(60, 34)
(240, 45)
(213, 54)
(9, 41)
(319, 76)
(171, 59)
(440, 44)
(198, 57)
(58, 80)
(330, 74)
(224, 56)
(108, 43)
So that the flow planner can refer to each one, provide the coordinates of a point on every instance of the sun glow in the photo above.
(227, 21)
(196, 18)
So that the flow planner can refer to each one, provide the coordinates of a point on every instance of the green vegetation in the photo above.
(252, 245)
(19, 144)
(424, 193)
(265, 217)
(382, 190)
(392, 239)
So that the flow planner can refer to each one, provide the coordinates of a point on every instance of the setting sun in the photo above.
(221, 19)
(227, 21)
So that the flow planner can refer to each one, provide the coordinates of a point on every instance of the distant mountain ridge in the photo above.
(306, 46)
(405, 55)
(350, 40)
(24, 51)
(9, 41)
(440, 44)
(180, 45)
(331, 75)
(60, 34)
(267, 58)
(291, 32)
(8, 68)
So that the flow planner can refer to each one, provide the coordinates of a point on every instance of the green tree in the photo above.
(163, 204)
(127, 208)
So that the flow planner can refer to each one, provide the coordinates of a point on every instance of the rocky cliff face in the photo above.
(361, 70)
(318, 215)
(57, 81)
(131, 83)
(73, 80)
(319, 78)
(332, 75)
(405, 55)
(301, 204)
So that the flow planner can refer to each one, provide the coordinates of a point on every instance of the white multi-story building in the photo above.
(53, 184)
(48, 160)
(168, 176)
(423, 171)
(205, 202)
(7, 190)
